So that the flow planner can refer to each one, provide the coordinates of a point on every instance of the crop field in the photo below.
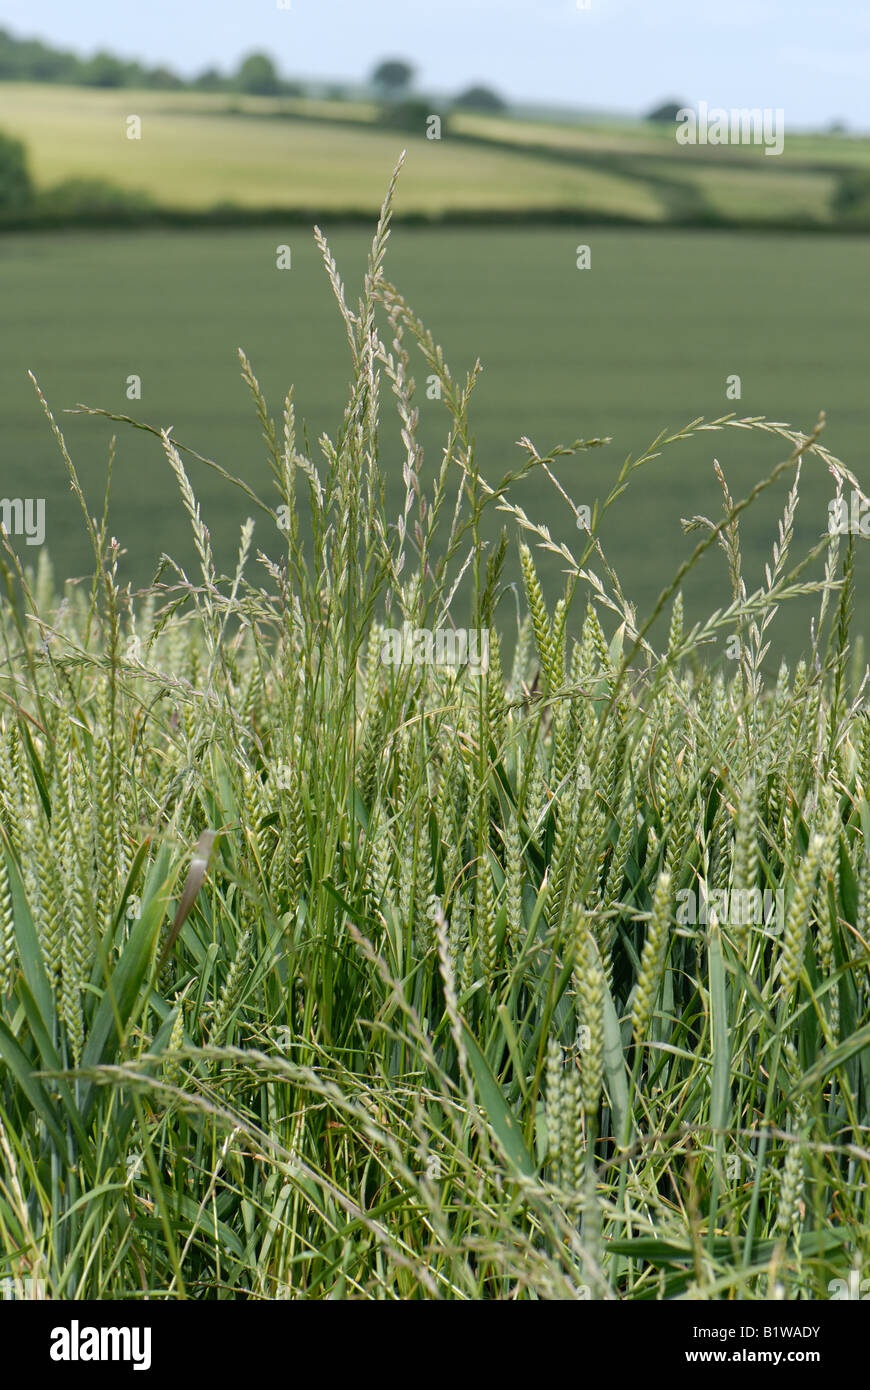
(198, 151)
(338, 962)
(641, 342)
(195, 154)
(626, 135)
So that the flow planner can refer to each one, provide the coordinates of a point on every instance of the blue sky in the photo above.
(809, 57)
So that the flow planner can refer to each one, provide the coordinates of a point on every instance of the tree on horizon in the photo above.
(393, 76)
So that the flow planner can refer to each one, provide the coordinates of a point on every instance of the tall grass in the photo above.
(326, 977)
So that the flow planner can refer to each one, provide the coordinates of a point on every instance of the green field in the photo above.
(193, 155)
(642, 342)
(199, 151)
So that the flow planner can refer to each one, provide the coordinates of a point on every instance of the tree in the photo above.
(480, 99)
(667, 112)
(103, 71)
(393, 76)
(49, 65)
(209, 80)
(135, 75)
(258, 76)
(411, 115)
(851, 200)
(164, 79)
(15, 186)
(29, 60)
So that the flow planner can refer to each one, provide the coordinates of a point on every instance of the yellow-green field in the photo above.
(626, 136)
(194, 154)
(201, 150)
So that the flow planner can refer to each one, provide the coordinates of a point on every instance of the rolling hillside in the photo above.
(201, 151)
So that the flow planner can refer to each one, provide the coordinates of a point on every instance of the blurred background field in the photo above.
(202, 151)
(728, 262)
(198, 153)
(642, 343)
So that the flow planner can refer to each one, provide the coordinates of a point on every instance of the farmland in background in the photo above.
(642, 342)
(204, 150)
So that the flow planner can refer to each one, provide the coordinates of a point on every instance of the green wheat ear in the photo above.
(8, 947)
(485, 916)
(171, 1067)
(744, 869)
(555, 1108)
(514, 878)
(652, 963)
(71, 1000)
(232, 989)
(538, 612)
(791, 1183)
(797, 919)
(590, 984)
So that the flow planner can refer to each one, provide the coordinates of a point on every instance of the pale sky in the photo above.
(809, 57)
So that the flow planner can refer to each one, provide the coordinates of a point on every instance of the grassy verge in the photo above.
(328, 974)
